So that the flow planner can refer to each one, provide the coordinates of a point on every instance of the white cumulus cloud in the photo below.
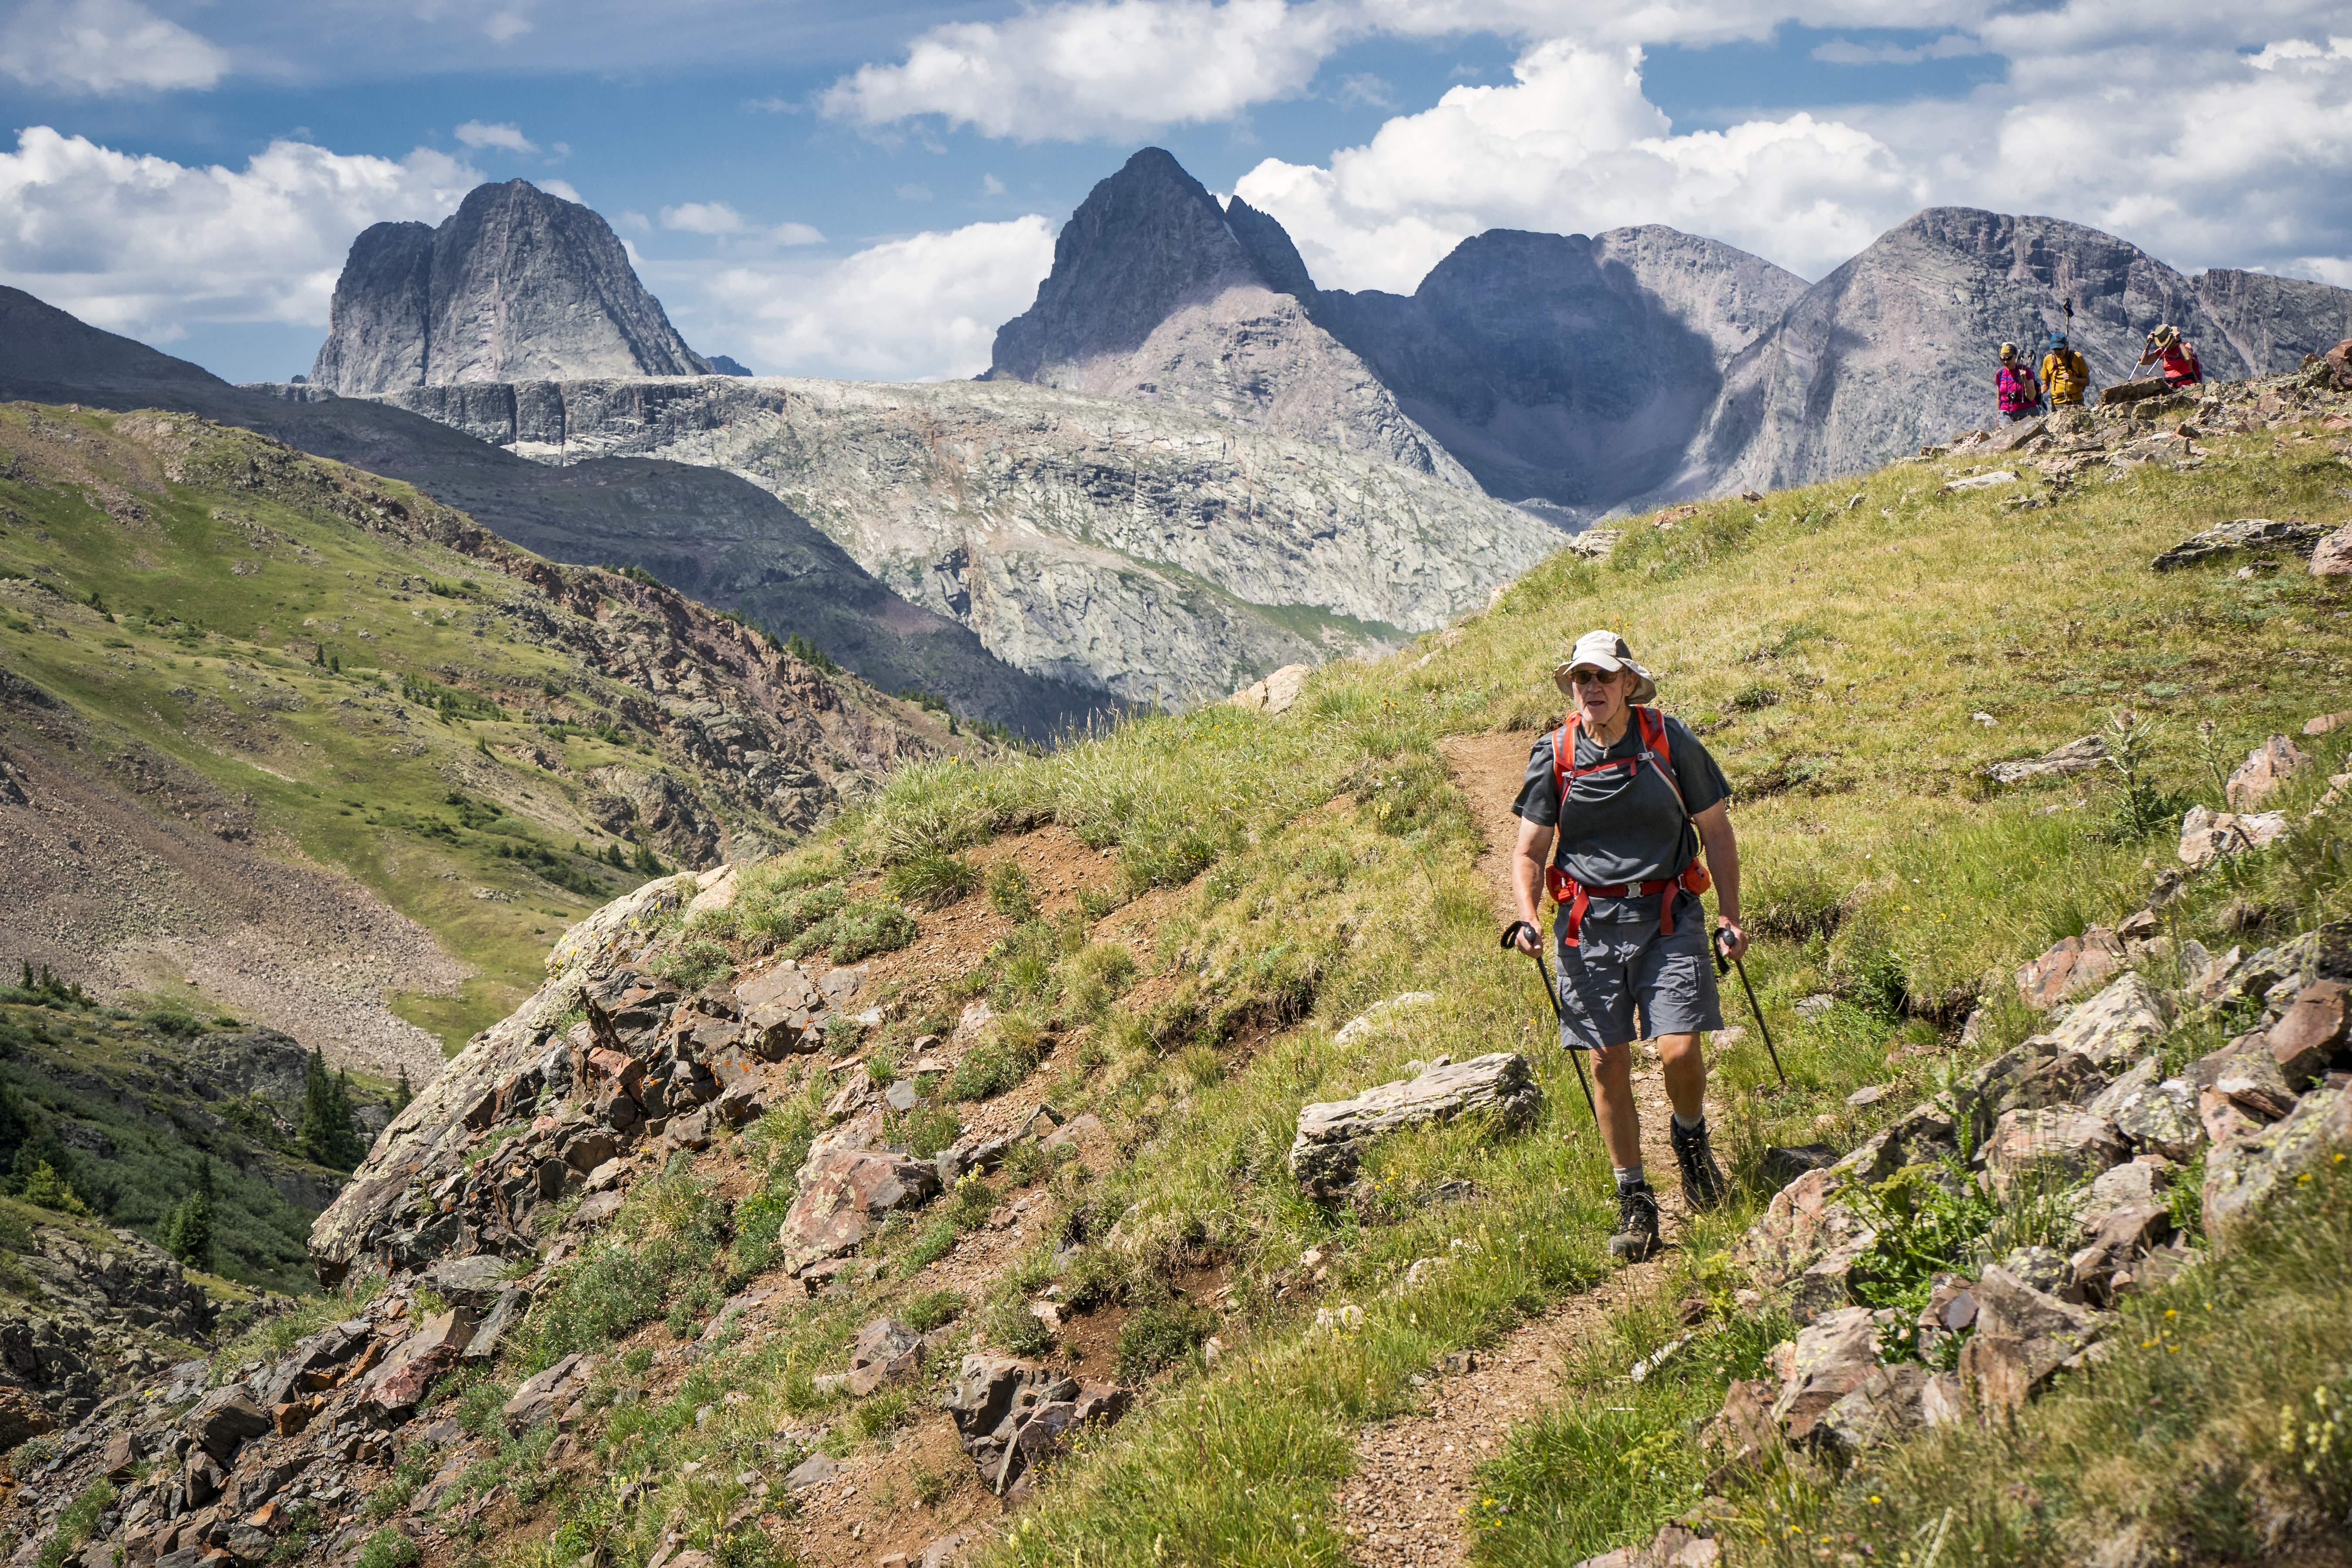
(148, 247)
(474, 134)
(920, 309)
(560, 188)
(703, 217)
(104, 46)
(1099, 67)
(1572, 145)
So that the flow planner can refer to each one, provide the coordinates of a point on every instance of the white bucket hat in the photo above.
(1606, 650)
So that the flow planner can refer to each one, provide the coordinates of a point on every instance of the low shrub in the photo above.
(1009, 893)
(931, 879)
(1161, 1329)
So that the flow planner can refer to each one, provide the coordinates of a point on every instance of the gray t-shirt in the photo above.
(1623, 824)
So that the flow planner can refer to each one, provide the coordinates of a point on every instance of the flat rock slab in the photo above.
(2074, 757)
(1325, 1153)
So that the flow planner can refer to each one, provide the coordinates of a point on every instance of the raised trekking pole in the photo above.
(1723, 962)
(1511, 939)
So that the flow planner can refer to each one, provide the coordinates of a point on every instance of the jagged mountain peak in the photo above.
(1143, 242)
(517, 284)
(1160, 294)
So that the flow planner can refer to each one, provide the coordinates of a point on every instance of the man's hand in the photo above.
(1730, 939)
(1526, 938)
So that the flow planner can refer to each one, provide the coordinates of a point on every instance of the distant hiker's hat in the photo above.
(2008, 352)
(2165, 336)
(2057, 341)
(1605, 650)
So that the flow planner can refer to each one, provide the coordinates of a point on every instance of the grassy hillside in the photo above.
(346, 674)
(1172, 919)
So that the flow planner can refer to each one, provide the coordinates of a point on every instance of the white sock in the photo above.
(1628, 1176)
(1690, 1123)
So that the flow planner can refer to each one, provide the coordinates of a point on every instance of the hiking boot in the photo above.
(1702, 1185)
(1637, 1224)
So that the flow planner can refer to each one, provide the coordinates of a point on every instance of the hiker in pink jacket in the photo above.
(2020, 394)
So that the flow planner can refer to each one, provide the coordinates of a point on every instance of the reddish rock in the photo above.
(2266, 767)
(844, 1195)
(2307, 1039)
(2075, 965)
(2022, 1336)
(2058, 1143)
(420, 1359)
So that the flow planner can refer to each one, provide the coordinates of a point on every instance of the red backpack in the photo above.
(1576, 896)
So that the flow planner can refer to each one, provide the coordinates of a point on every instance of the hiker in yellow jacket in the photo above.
(2065, 374)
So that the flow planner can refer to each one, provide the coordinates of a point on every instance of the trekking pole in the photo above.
(1511, 939)
(1723, 962)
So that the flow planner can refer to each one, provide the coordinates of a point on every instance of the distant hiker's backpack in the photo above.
(2019, 390)
(2067, 374)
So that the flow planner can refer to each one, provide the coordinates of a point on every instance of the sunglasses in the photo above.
(1593, 677)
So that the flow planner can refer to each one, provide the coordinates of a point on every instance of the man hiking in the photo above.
(1622, 858)
(2065, 374)
(2020, 394)
(2177, 355)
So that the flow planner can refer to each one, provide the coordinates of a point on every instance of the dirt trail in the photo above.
(1414, 1476)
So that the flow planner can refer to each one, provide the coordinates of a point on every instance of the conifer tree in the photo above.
(187, 1230)
(403, 1095)
(316, 1131)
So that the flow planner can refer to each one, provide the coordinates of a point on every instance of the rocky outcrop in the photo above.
(1563, 369)
(530, 1114)
(1330, 1137)
(79, 1315)
(1156, 296)
(1165, 555)
(515, 285)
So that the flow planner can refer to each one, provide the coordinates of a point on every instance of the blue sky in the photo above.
(868, 192)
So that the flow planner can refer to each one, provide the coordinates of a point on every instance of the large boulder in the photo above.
(2157, 1116)
(2022, 1335)
(1801, 1224)
(1325, 1153)
(2243, 1176)
(418, 1362)
(846, 1193)
(2069, 968)
(2115, 1026)
(2056, 1146)
(2266, 768)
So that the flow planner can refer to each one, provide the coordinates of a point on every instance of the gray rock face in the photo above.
(516, 285)
(1156, 296)
(1562, 369)
(2271, 323)
(1896, 348)
(1165, 555)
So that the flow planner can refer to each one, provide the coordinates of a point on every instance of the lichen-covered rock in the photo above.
(1330, 1136)
(2059, 1146)
(2243, 1174)
(845, 1195)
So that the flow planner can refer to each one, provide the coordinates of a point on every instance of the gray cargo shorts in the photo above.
(1622, 964)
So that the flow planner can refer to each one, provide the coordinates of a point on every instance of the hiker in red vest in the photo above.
(1622, 858)
(2020, 394)
(2179, 356)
